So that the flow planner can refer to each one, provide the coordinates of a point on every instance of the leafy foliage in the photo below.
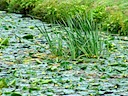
(28, 68)
(21, 6)
(56, 10)
(48, 10)
(4, 42)
(3, 5)
(116, 22)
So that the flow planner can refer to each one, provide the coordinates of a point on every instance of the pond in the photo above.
(26, 69)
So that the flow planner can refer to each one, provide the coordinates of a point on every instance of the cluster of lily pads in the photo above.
(27, 67)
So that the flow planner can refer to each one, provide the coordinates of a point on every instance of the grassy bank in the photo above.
(111, 14)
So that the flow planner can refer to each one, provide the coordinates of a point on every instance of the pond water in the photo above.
(27, 70)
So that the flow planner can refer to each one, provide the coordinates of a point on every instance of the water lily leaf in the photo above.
(13, 82)
(38, 61)
(33, 88)
(6, 27)
(83, 67)
(16, 94)
(95, 84)
(46, 81)
(28, 36)
(3, 83)
(5, 42)
(52, 68)
(31, 27)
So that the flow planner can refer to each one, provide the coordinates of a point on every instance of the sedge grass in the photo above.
(77, 38)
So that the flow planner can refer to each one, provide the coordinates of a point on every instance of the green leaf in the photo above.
(38, 61)
(31, 27)
(13, 82)
(33, 88)
(3, 83)
(5, 42)
(28, 36)
(16, 94)
(46, 81)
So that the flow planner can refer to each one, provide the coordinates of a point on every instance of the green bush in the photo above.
(3, 5)
(116, 22)
(112, 15)
(99, 14)
(21, 6)
(56, 10)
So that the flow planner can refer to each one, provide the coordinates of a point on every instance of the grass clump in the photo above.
(75, 41)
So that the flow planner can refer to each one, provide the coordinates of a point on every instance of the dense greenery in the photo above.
(113, 15)
(27, 67)
(73, 54)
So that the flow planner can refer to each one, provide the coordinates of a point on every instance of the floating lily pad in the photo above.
(3, 83)
(28, 36)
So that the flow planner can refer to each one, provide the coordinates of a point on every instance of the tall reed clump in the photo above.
(78, 37)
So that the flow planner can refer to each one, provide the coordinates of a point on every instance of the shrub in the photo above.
(3, 5)
(125, 27)
(56, 10)
(99, 14)
(113, 15)
(116, 22)
(21, 6)
(14, 6)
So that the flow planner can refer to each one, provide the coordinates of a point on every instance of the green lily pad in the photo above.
(15, 94)
(28, 36)
(5, 42)
(3, 83)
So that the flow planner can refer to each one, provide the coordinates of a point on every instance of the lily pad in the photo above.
(28, 36)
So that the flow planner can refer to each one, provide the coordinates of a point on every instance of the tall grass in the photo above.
(78, 37)
(53, 39)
